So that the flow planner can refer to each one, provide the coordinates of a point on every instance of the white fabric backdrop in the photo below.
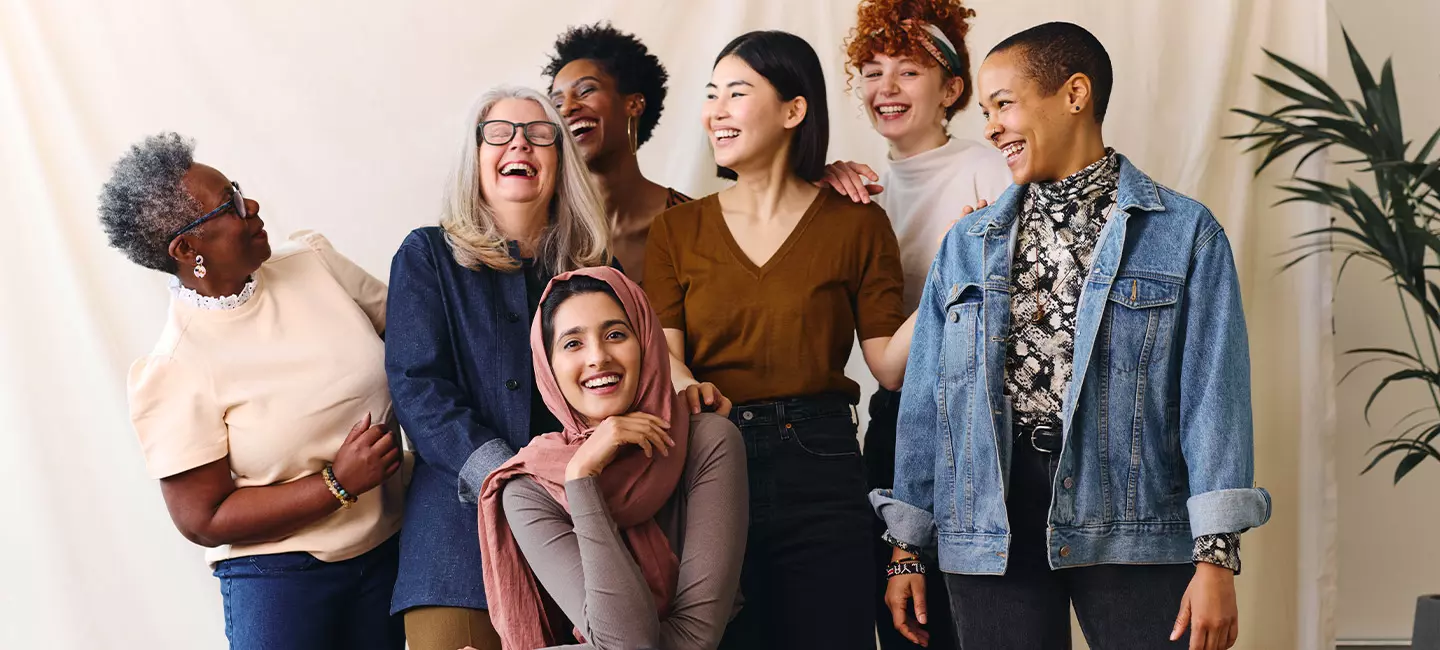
(341, 116)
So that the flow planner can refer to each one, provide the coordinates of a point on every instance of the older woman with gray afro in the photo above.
(263, 408)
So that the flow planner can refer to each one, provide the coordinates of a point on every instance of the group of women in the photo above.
(591, 462)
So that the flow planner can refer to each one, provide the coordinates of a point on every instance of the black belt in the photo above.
(791, 410)
(1045, 437)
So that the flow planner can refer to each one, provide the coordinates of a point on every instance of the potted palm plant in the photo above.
(1397, 226)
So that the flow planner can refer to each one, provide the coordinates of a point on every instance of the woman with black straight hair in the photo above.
(781, 58)
(761, 289)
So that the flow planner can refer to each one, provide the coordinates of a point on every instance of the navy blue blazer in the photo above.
(458, 360)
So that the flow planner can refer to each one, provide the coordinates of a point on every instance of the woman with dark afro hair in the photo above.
(611, 90)
(262, 410)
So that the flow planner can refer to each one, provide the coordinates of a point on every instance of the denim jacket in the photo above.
(460, 370)
(1158, 437)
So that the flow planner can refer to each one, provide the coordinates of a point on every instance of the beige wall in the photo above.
(1387, 534)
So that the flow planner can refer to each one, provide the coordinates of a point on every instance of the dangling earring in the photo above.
(199, 266)
(630, 133)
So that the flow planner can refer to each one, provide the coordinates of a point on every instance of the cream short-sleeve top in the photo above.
(275, 386)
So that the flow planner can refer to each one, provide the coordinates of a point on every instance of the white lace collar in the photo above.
(190, 297)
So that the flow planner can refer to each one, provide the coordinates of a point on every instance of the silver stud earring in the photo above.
(199, 266)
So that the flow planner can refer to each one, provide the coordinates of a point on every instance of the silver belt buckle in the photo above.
(1032, 438)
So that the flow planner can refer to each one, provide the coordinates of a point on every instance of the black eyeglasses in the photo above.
(237, 201)
(499, 133)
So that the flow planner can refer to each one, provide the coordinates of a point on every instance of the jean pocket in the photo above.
(1139, 321)
(283, 562)
(832, 437)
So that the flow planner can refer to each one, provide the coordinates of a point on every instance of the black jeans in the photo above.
(809, 573)
(880, 473)
(1118, 606)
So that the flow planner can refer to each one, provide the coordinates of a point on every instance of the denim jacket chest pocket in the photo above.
(1139, 321)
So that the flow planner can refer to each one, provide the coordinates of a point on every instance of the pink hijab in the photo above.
(635, 487)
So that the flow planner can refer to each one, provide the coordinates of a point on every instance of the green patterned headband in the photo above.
(936, 44)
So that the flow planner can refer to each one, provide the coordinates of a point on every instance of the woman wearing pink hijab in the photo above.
(637, 507)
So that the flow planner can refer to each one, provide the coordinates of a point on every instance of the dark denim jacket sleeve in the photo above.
(907, 510)
(419, 360)
(1216, 427)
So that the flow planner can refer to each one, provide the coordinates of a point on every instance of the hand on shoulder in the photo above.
(964, 212)
(857, 181)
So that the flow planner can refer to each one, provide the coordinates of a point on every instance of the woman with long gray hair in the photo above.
(262, 407)
(520, 207)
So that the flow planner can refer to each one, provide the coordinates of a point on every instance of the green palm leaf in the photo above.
(1312, 79)
(1395, 226)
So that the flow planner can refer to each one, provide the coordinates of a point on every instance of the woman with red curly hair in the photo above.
(914, 71)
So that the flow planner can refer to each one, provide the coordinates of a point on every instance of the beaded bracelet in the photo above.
(335, 488)
(904, 568)
(891, 540)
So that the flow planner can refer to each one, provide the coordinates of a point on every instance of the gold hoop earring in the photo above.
(199, 266)
(630, 134)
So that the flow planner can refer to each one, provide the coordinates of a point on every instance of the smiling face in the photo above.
(595, 111)
(595, 356)
(1036, 131)
(748, 123)
(231, 246)
(518, 172)
(905, 99)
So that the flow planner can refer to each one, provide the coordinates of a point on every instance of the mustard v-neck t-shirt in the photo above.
(784, 329)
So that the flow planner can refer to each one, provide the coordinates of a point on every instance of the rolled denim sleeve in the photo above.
(908, 509)
(431, 405)
(485, 459)
(1216, 427)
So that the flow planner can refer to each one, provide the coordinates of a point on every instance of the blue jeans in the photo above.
(292, 600)
(809, 575)
(1118, 606)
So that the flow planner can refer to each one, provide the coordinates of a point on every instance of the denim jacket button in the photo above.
(1064, 551)
(512, 384)
(954, 316)
(747, 416)
(1069, 483)
(512, 317)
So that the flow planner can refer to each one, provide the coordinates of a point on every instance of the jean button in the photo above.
(1064, 551)
(512, 317)
(512, 384)
(954, 316)
(747, 416)
(1069, 483)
